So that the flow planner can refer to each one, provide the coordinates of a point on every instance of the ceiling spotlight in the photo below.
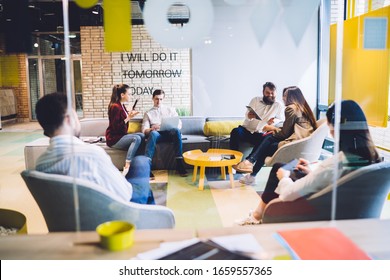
(36, 45)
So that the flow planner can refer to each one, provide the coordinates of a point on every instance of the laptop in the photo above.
(167, 123)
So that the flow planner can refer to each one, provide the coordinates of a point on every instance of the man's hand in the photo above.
(269, 128)
(155, 127)
(271, 121)
(251, 115)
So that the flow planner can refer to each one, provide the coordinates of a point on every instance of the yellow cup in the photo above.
(13, 219)
(116, 235)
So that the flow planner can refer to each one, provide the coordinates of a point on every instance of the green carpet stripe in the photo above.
(193, 209)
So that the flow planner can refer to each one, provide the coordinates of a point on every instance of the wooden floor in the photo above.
(218, 205)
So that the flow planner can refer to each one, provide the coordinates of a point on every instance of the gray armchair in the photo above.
(360, 194)
(55, 197)
(308, 148)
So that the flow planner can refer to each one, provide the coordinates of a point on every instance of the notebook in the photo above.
(168, 123)
(320, 244)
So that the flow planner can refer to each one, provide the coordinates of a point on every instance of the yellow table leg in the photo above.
(194, 173)
(223, 173)
(231, 176)
(201, 178)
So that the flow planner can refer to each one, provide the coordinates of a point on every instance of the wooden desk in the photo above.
(371, 235)
(82, 245)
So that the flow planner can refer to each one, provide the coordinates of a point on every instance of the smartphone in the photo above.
(228, 157)
(135, 104)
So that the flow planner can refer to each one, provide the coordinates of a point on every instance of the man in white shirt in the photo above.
(264, 110)
(151, 128)
(68, 155)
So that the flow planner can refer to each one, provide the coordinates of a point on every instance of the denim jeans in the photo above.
(173, 135)
(138, 177)
(266, 148)
(131, 143)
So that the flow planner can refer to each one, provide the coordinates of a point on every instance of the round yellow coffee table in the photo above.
(212, 158)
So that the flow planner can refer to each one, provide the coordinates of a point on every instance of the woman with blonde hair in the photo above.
(119, 118)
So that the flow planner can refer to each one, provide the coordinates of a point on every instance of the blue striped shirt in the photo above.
(68, 155)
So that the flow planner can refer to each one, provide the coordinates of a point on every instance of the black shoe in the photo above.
(182, 173)
(152, 177)
(180, 168)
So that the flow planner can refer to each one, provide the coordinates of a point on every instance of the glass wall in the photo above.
(47, 63)
(235, 48)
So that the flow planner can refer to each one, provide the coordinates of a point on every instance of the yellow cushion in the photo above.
(220, 128)
(134, 127)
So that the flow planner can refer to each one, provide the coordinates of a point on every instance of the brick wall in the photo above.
(147, 67)
(21, 91)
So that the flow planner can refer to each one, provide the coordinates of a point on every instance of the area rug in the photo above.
(160, 193)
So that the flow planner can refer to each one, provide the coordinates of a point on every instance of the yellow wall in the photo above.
(9, 71)
(365, 73)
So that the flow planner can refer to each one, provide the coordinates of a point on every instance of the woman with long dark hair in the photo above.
(356, 150)
(119, 118)
(299, 122)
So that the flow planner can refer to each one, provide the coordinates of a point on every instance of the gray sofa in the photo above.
(192, 133)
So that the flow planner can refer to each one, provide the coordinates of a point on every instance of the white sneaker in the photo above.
(250, 220)
(247, 179)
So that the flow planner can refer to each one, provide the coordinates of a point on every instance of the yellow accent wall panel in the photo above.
(365, 72)
(117, 25)
(9, 71)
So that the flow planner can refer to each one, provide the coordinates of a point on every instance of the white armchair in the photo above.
(308, 148)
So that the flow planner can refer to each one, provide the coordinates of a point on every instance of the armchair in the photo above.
(360, 194)
(308, 148)
(55, 195)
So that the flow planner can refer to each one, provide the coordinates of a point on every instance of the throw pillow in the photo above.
(220, 128)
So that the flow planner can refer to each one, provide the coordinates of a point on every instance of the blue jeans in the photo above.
(138, 177)
(173, 135)
(131, 143)
(241, 134)
(266, 148)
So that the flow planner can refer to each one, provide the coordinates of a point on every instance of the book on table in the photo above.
(320, 244)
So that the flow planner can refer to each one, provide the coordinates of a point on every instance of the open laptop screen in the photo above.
(168, 123)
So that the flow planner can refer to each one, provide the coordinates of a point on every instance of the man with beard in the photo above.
(262, 111)
(68, 155)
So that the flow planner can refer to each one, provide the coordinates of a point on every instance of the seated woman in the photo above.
(298, 115)
(119, 117)
(356, 150)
